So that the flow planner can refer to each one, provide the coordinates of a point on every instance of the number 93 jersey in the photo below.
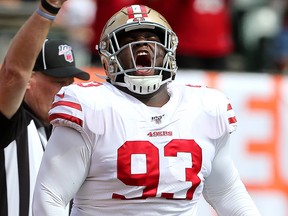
(138, 158)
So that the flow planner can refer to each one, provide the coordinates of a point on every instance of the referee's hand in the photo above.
(56, 3)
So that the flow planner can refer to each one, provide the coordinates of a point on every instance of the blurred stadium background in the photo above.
(258, 93)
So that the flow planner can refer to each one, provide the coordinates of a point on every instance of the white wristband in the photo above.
(45, 15)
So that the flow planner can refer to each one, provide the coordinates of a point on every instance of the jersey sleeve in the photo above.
(64, 167)
(224, 190)
(67, 110)
(219, 109)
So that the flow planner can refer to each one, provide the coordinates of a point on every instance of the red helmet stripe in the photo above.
(130, 12)
(138, 10)
(144, 11)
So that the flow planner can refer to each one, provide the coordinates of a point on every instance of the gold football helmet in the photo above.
(138, 17)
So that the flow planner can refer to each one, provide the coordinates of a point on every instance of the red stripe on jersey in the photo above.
(68, 104)
(232, 120)
(167, 195)
(65, 117)
(196, 86)
(229, 107)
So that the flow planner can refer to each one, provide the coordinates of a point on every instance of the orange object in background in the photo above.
(93, 77)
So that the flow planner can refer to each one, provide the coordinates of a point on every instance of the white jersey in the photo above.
(133, 159)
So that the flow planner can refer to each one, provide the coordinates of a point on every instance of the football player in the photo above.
(140, 144)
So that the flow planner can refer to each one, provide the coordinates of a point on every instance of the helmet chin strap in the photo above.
(143, 84)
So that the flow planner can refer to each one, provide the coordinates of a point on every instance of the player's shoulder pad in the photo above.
(214, 101)
(216, 104)
(67, 109)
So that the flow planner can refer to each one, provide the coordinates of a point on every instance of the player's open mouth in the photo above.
(143, 59)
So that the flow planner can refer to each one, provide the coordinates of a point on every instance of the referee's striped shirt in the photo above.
(22, 142)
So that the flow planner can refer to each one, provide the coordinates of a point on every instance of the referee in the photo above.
(26, 95)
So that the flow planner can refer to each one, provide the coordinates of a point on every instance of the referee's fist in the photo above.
(56, 3)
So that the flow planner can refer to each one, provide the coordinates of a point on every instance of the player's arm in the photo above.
(18, 63)
(224, 189)
(63, 169)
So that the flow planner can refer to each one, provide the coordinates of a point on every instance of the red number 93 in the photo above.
(150, 179)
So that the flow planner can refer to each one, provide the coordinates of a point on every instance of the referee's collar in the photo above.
(38, 123)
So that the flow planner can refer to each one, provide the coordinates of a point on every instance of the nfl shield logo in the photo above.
(68, 56)
(67, 52)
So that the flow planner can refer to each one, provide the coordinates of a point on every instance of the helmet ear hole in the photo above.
(105, 66)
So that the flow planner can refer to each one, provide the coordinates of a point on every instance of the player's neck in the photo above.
(157, 99)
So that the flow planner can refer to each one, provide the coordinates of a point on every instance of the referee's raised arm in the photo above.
(22, 53)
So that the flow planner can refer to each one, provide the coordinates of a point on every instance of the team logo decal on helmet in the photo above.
(137, 13)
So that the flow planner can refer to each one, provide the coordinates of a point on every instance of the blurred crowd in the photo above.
(221, 35)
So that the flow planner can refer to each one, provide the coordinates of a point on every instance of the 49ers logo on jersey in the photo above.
(159, 133)
(67, 52)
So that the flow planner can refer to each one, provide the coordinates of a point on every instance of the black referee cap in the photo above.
(56, 59)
